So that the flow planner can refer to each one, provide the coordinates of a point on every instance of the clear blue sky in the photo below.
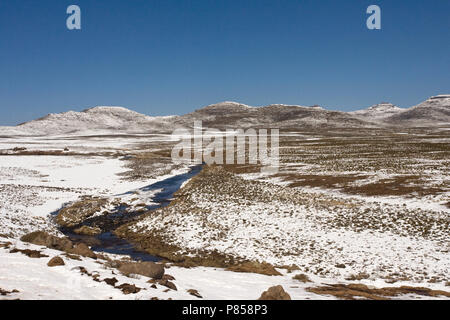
(169, 57)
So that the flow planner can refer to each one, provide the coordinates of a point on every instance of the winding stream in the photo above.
(108, 242)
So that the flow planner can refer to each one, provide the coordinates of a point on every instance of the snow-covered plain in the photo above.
(379, 210)
(35, 280)
(320, 233)
(31, 278)
(33, 186)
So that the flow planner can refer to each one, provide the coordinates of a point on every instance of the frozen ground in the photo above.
(33, 187)
(31, 278)
(37, 176)
(82, 143)
(333, 232)
(35, 280)
(371, 205)
(321, 234)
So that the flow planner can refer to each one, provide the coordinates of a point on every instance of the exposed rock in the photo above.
(301, 277)
(128, 288)
(82, 270)
(96, 277)
(5, 245)
(167, 277)
(83, 250)
(43, 238)
(148, 269)
(275, 293)
(194, 293)
(56, 261)
(163, 282)
(29, 253)
(168, 284)
(111, 281)
(6, 292)
(255, 267)
(79, 211)
(88, 231)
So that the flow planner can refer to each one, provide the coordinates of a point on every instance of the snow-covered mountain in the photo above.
(228, 114)
(378, 111)
(235, 115)
(101, 118)
(433, 111)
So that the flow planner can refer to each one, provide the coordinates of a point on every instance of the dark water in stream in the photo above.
(110, 243)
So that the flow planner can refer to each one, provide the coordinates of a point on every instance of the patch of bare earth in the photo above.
(151, 162)
(358, 291)
(413, 164)
(6, 292)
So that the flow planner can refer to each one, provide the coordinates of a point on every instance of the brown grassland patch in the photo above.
(357, 290)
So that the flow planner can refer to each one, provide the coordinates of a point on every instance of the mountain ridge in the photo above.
(434, 110)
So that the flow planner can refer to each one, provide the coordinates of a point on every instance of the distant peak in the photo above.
(230, 102)
(237, 105)
(379, 110)
(106, 108)
(227, 104)
(440, 96)
(383, 105)
(441, 100)
(234, 103)
(280, 105)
